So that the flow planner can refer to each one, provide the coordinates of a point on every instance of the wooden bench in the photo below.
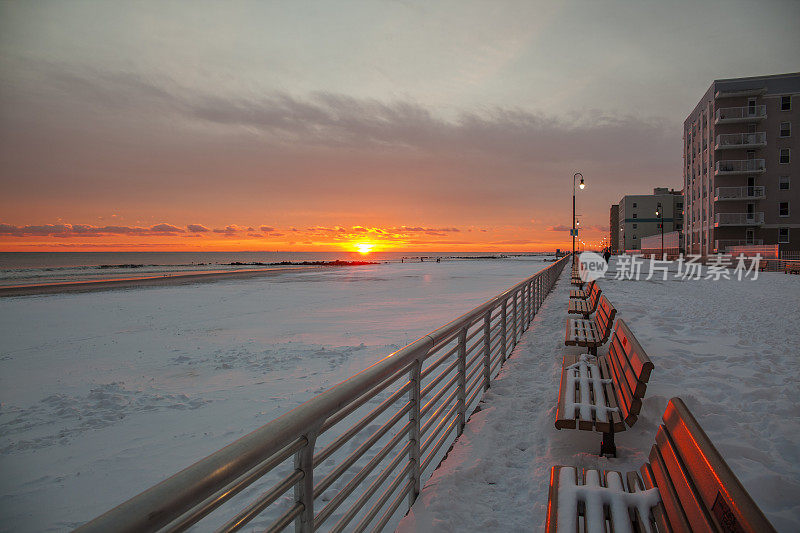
(582, 294)
(686, 486)
(591, 333)
(578, 306)
(604, 393)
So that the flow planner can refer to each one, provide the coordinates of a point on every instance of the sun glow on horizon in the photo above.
(364, 248)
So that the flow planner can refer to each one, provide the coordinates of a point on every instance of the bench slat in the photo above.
(670, 466)
(564, 420)
(616, 417)
(637, 357)
(622, 367)
(659, 512)
(669, 496)
(552, 500)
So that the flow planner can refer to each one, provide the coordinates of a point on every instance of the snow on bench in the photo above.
(591, 333)
(686, 486)
(585, 307)
(582, 294)
(604, 393)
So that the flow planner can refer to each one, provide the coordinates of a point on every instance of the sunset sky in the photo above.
(320, 125)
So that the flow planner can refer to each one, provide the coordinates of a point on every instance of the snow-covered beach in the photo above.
(729, 348)
(105, 394)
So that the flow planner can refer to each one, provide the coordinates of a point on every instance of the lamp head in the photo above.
(582, 185)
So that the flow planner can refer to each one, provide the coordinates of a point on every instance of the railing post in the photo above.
(304, 489)
(462, 380)
(523, 325)
(516, 317)
(503, 322)
(540, 290)
(414, 434)
(487, 345)
(532, 290)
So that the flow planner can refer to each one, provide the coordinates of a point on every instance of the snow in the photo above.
(104, 394)
(582, 372)
(729, 348)
(595, 497)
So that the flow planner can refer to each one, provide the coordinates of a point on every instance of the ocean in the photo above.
(33, 268)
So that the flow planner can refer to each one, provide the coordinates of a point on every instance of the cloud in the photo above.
(229, 230)
(85, 230)
(560, 227)
(197, 228)
(380, 158)
(166, 228)
(267, 229)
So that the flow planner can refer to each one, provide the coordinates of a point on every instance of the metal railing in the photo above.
(739, 219)
(754, 192)
(348, 458)
(734, 166)
(734, 114)
(740, 140)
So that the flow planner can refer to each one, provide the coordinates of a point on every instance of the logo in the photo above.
(591, 266)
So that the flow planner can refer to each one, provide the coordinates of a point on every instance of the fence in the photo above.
(318, 465)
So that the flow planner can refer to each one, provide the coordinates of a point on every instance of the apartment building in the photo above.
(613, 229)
(739, 144)
(636, 216)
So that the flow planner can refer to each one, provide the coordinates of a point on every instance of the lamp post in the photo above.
(660, 215)
(575, 177)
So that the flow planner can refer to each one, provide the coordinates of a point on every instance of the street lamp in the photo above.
(583, 185)
(660, 215)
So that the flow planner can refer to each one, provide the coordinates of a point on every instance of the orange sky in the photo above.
(195, 237)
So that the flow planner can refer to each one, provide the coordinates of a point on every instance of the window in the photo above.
(783, 235)
(636, 226)
(786, 103)
(783, 209)
(634, 205)
(634, 237)
(784, 159)
(634, 215)
(783, 183)
(680, 205)
(786, 129)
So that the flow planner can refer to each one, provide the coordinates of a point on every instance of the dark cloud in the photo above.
(560, 227)
(166, 228)
(85, 230)
(197, 228)
(267, 229)
(227, 230)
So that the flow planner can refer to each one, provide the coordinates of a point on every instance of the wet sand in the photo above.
(145, 281)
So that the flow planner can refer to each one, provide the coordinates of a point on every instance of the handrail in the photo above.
(181, 500)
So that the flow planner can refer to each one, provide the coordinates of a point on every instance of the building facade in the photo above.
(739, 143)
(637, 216)
(613, 229)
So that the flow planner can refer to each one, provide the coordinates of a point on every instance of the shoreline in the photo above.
(144, 281)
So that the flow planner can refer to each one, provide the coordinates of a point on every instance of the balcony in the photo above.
(756, 192)
(722, 244)
(732, 115)
(741, 140)
(738, 219)
(733, 167)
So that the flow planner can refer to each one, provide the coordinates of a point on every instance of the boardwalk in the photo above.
(497, 475)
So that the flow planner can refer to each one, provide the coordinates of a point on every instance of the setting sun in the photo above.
(364, 248)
